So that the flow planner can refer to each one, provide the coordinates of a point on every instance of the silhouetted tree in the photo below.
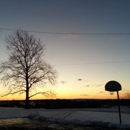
(25, 68)
(126, 97)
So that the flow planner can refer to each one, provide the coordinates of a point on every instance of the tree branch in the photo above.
(46, 93)
(12, 93)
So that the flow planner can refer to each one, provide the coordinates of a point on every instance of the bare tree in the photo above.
(126, 95)
(126, 98)
(25, 68)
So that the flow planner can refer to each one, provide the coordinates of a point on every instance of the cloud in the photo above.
(79, 79)
(63, 82)
(93, 85)
(102, 92)
(118, 39)
(84, 95)
(86, 85)
(99, 85)
(96, 85)
(70, 35)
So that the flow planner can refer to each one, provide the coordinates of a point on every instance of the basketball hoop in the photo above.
(111, 92)
(114, 86)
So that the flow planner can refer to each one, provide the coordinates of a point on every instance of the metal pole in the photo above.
(119, 107)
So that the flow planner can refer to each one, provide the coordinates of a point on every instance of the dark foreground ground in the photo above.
(28, 124)
(51, 127)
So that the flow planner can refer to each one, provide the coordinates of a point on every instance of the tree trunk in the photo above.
(27, 100)
(27, 91)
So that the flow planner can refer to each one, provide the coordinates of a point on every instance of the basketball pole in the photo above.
(119, 107)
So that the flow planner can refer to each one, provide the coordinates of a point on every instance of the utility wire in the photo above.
(72, 33)
(106, 62)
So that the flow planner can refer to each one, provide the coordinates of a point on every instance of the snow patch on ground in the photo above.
(88, 123)
(106, 117)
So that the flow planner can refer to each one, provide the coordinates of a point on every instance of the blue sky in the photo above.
(95, 59)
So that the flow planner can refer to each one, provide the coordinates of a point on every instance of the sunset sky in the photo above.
(89, 43)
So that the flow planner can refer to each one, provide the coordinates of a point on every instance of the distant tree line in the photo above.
(59, 103)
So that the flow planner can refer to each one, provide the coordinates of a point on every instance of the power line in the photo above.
(105, 62)
(67, 33)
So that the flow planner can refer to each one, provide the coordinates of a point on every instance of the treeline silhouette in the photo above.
(66, 103)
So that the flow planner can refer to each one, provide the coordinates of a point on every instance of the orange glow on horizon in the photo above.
(22, 97)
(66, 92)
